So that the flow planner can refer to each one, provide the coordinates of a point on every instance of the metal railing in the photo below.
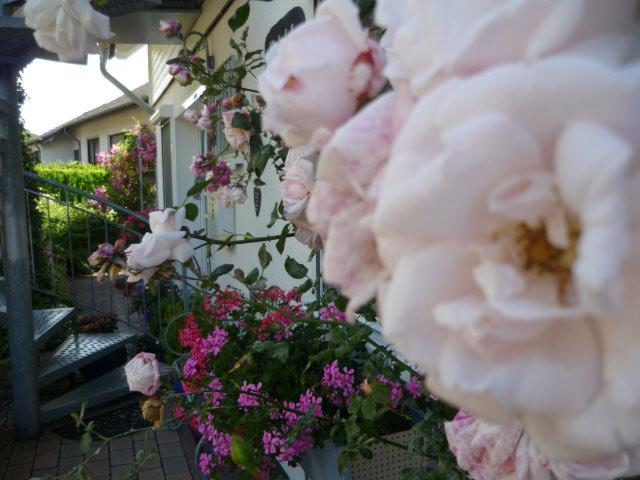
(71, 224)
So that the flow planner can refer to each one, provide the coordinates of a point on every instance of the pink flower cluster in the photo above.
(205, 119)
(190, 336)
(331, 312)
(223, 303)
(395, 395)
(276, 442)
(215, 395)
(218, 176)
(247, 400)
(180, 73)
(415, 387)
(341, 382)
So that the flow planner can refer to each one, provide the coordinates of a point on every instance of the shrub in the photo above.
(81, 176)
(76, 231)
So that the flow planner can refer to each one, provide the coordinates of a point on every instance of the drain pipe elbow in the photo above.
(104, 56)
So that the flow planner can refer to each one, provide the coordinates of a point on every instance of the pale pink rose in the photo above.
(344, 197)
(296, 186)
(299, 177)
(508, 222)
(494, 452)
(427, 41)
(228, 196)
(238, 138)
(318, 74)
(143, 373)
(165, 242)
(170, 27)
(191, 116)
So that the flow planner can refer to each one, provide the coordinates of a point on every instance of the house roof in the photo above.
(112, 106)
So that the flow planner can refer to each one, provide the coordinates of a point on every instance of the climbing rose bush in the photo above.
(490, 206)
(494, 452)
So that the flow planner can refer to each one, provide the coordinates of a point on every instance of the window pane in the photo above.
(113, 139)
(93, 147)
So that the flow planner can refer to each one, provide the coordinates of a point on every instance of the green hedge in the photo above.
(82, 176)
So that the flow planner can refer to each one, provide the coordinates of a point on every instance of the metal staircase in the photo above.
(77, 351)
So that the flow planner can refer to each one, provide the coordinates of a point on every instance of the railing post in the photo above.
(15, 256)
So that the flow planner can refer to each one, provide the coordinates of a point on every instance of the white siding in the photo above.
(158, 76)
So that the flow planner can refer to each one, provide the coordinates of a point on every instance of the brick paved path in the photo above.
(54, 455)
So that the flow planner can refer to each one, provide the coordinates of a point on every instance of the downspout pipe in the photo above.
(68, 132)
(104, 56)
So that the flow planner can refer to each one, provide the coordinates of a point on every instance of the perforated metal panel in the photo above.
(76, 352)
(46, 322)
(387, 462)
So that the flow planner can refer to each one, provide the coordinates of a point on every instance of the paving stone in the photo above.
(142, 435)
(45, 460)
(120, 443)
(49, 435)
(156, 474)
(3, 466)
(69, 463)
(68, 440)
(98, 451)
(5, 451)
(52, 472)
(152, 463)
(121, 457)
(169, 450)
(179, 476)
(51, 445)
(100, 467)
(25, 444)
(102, 477)
(175, 465)
(119, 473)
(18, 472)
(150, 445)
(167, 436)
(20, 456)
(70, 450)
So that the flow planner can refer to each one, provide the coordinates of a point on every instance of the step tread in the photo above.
(3, 303)
(76, 352)
(46, 322)
(103, 389)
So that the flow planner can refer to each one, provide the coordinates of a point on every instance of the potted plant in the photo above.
(269, 379)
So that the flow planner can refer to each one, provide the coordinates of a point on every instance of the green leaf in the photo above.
(221, 270)
(240, 120)
(294, 269)
(256, 121)
(366, 453)
(264, 256)
(198, 187)
(240, 17)
(85, 442)
(249, 55)
(191, 211)
(257, 200)
(305, 287)
(242, 452)
(369, 409)
(279, 351)
(283, 238)
(253, 277)
(274, 216)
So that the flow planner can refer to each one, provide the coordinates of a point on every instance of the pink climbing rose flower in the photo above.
(143, 373)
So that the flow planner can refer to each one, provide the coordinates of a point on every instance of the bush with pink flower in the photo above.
(265, 373)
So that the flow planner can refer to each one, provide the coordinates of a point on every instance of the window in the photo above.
(76, 155)
(93, 147)
(113, 139)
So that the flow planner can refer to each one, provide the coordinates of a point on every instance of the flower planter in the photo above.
(387, 462)
(322, 464)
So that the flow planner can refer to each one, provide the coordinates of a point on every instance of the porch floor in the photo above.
(55, 455)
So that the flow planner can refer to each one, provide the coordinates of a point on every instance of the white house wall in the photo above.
(264, 15)
(60, 149)
(109, 124)
(63, 144)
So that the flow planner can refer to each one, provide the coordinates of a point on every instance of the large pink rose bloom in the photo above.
(318, 74)
(427, 41)
(342, 202)
(508, 219)
(494, 452)
(143, 373)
